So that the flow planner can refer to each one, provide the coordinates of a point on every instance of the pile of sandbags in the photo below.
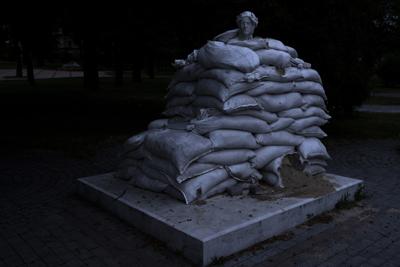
(232, 117)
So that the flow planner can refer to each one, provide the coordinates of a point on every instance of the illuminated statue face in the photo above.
(246, 27)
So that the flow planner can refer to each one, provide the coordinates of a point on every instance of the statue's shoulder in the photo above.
(226, 36)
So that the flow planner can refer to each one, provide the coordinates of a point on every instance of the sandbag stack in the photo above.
(232, 117)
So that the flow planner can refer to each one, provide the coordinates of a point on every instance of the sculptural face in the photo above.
(246, 27)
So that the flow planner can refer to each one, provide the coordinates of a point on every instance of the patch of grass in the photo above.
(364, 126)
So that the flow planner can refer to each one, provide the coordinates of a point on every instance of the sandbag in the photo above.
(255, 43)
(309, 87)
(180, 147)
(181, 89)
(232, 139)
(219, 55)
(304, 123)
(275, 58)
(188, 73)
(243, 172)
(270, 73)
(208, 87)
(298, 113)
(272, 179)
(280, 138)
(135, 141)
(143, 181)
(281, 124)
(220, 188)
(266, 116)
(276, 44)
(245, 123)
(139, 153)
(228, 157)
(313, 131)
(268, 87)
(158, 124)
(292, 52)
(276, 103)
(182, 111)
(311, 75)
(266, 154)
(180, 101)
(314, 169)
(233, 104)
(227, 77)
(315, 161)
(195, 188)
(313, 148)
(196, 169)
(313, 100)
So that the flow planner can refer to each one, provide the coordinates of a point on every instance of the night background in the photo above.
(76, 81)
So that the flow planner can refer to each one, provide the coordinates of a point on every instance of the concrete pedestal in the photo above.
(222, 226)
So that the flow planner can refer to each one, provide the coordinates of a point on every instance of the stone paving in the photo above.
(44, 223)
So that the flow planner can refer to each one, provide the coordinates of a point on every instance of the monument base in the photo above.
(218, 227)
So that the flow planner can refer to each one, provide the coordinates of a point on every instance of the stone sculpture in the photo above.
(235, 109)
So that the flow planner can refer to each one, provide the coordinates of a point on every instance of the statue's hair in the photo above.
(247, 14)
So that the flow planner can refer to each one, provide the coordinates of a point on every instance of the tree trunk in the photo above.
(29, 63)
(118, 65)
(18, 53)
(90, 71)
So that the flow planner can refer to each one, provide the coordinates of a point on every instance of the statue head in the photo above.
(246, 22)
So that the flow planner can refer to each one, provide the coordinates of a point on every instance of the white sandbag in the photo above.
(274, 58)
(309, 87)
(311, 75)
(313, 100)
(227, 157)
(219, 55)
(276, 103)
(245, 123)
(227, 77)
(314, 161)
(298, 113)
(163, 165)
(281, 124)
(272, 179)
(182, 111)
(274, 166)
(181, 89)
(232, 139)
(280, 138)
(180, 101)
(243, 172)
(155, 174)
(313, 148)
(266, 154)
(158, 124)
(188, 73)
(304, 123)
(181, 148)
(196, 169)
(266, 116)
(129, 162)
(314, 170)
(220, 188)
(135, 141)
(195, 188)
(268, 87)
(276, 44)
(292, 52)
(233, 104)
(313, 131)
(254, 44)
(270, 73)
(143, 181)
(139, 153)
(209, 87)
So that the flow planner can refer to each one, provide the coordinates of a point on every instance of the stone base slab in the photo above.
(221, 226)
